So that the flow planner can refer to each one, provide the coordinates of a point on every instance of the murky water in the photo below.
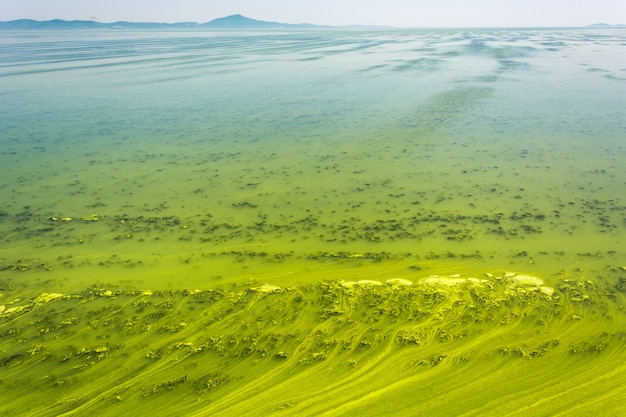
(153, 182)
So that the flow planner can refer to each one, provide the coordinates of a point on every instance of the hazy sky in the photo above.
(404, 13)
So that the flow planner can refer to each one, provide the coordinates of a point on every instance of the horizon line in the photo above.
(598, 24)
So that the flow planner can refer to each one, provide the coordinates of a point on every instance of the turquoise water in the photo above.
(140, 164)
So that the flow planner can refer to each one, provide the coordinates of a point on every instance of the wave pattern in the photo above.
(19, 55)
(503, 345)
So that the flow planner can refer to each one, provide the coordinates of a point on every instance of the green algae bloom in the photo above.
(324, 222)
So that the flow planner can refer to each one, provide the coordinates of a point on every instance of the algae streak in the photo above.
(437, 347)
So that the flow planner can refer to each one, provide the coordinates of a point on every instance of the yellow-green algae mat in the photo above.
(503, 344)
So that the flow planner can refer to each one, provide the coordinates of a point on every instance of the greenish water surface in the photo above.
(315, 222)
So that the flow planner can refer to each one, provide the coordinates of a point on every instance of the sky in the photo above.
(400, 13)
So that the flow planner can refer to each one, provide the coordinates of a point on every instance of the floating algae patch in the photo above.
(501, 344)
(446, 107)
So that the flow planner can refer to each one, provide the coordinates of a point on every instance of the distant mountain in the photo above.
(606, 25)
(49, 24)
(57, 24)
(236, 21)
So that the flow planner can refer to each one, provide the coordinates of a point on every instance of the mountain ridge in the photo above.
(606, 25)
(235, 21)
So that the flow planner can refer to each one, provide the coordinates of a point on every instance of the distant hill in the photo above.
(236, 21)
(606, 25)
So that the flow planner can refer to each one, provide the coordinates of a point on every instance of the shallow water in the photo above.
(153, 180)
